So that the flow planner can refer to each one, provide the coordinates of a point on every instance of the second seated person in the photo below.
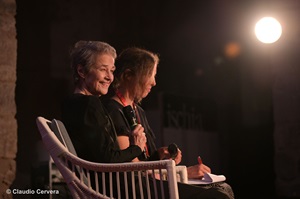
(134, 77)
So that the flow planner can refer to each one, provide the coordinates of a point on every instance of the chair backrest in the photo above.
(109, 180)
(61, 133)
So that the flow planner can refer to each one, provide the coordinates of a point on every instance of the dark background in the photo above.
(191, 37)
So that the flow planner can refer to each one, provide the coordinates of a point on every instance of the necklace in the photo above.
(121, 97)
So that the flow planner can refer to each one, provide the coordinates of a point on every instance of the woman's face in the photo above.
(100, 76)
(149, 83)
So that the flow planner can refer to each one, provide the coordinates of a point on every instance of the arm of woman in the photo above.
(137, 137)
(123, 141)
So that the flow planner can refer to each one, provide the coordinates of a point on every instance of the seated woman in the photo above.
(134, 78)
(90, 127)
(86, 120)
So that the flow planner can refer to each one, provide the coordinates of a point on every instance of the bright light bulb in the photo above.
(268, 30)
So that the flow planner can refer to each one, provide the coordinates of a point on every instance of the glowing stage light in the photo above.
(268, 30)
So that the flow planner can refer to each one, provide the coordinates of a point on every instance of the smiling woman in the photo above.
(86, 120)
(89, 127)
(98, 78)
(93, 67)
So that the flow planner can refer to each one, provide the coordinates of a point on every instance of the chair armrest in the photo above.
(181, 170)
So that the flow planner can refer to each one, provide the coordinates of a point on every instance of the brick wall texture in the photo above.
(8, 124)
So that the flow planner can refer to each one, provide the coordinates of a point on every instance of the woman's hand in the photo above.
(178, 158)
(138, 137)
(164, 154)
(197, 171)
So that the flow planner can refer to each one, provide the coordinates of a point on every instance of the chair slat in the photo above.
(118, 184)
(96, 182)
(154, 184)
(133, 185)
(110, 184)
(140, 185)
(103, 184)
(126, 185)
(161, 184)
(148, 184)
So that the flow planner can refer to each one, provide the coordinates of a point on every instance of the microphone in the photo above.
(173, 150)
(131, 119)
(130, 116)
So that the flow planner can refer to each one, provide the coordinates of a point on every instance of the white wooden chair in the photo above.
(134, 179)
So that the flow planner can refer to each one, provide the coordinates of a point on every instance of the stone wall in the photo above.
(8, 124)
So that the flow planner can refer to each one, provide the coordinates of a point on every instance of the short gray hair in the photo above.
(84, 53)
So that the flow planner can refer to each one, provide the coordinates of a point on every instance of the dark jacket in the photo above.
(92, 132)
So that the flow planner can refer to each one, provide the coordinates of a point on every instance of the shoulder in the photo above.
(115, 111)
(86, 99)
(82, 103)
(111, 105)
(81, 98)
(140, 109)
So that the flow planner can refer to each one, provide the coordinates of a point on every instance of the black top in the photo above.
(115, 110)
(92, 132)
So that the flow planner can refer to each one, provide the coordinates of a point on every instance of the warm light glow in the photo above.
(268, 30)
(232, 50)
